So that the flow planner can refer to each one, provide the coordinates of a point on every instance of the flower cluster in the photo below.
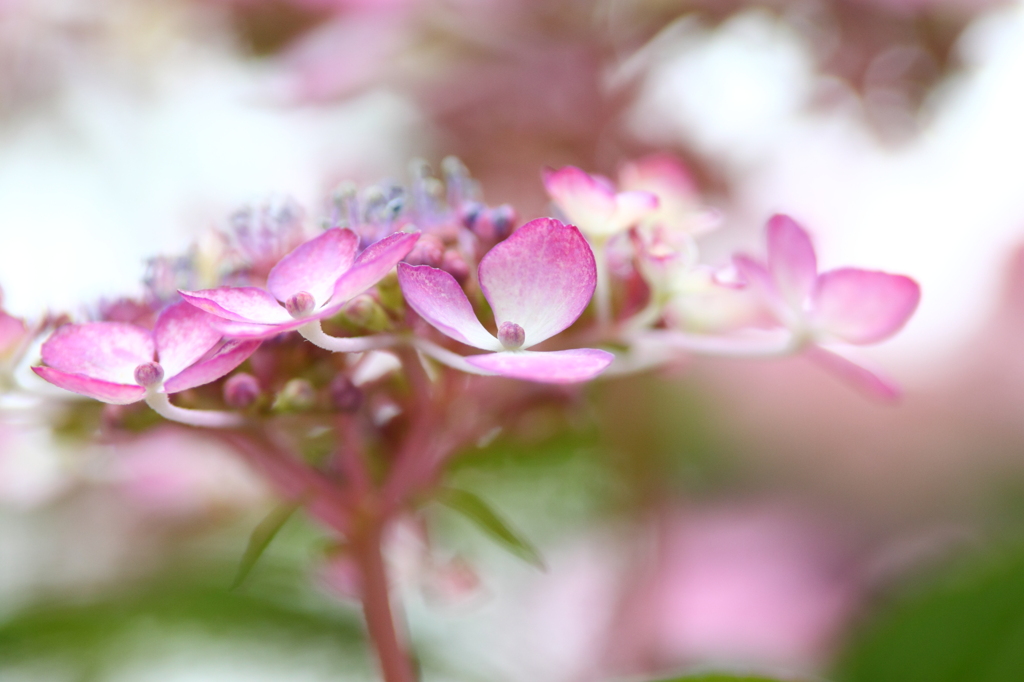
(347, 365)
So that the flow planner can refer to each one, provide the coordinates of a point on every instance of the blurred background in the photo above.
(744, 515)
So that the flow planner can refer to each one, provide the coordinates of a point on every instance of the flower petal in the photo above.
(585, 200)
(183, 334)
(106, 391)
(314, 267)
(370, 267)
(12, 332)
(791, 260)
(439, 300)
(541, 278)
(863, 306)
(109, 351)
(241, 304)
(552, 367)
(631, 208)
(870, 382)
(212, 367)
(246, 330)
(755, 277)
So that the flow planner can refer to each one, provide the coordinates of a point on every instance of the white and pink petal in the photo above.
(791, 261)
(105, 391)
(540, 278)
(551, 367)
(437, 298)
(213, 366)
(108, 351)
(240, 304)
(863, 306)
(315, 266)
(183, 334)
(585, 200)
(370, 267)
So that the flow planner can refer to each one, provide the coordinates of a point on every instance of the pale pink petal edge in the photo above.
(105, 391)
(548, 367)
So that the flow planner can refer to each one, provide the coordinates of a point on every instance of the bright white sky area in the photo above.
(112, 176)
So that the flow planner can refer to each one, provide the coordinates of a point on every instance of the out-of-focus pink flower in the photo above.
(175, 473)
(664, 176)
(591, 202)
(847, 305)
(748, 586)
(117, 363)
(311, 283)
(538, 281)
(12, 333)
(701, 302)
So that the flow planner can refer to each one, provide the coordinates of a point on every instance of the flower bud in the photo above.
(511, 335)
(300, 305)
(429, 250)
(298, 395)
(455, 265)
(149, 374)
(345, 396)
(470, 212)
(503, 218)
(241, 391)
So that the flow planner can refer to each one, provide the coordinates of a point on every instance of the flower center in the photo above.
(511, 335)
(149, 374)
(300, 305)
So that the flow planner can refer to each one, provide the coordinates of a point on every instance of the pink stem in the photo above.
(380, 621)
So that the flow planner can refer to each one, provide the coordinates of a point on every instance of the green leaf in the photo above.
(966, 625)
(261, 537)
(479, 512)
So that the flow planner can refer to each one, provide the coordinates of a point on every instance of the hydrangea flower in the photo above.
(846, 305)
(122, 363)
(537, 282)
(592, 203)
(311, 283)
(679, 207)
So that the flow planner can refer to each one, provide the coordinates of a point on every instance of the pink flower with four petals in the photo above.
(117, 362)
(538, 282)
(846, 305)
(311, 283)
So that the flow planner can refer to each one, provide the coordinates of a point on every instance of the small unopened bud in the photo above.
(429, 250)
(300, 305)
(511, 335)
(345, 396)
(470, 212)
(455, 265)
(241, 391)
(149, 374)
(298, 395)
(504, 218)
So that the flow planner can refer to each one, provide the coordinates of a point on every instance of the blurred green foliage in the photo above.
(93, 637)
(964, 625)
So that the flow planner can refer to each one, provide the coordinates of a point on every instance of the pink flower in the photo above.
(311, 283)
(591, 202)
(846, 305)
(538, 281)
(12, 333)
(117, 363)
(679, 207)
